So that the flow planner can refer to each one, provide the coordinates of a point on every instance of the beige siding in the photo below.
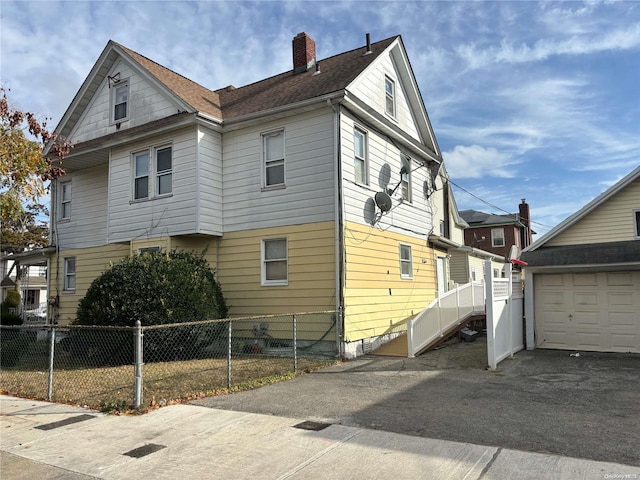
(459, 265)
(612, 221)
(311, 274)
(146, 104)
(377, 300)
(90, 263)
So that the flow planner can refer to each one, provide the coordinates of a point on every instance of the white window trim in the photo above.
(405, 261)
(494, 236)
(149, 248)
(364, 159)
(152, 173)
(68, 275)
(263, 137)
(636, 223)
(393, 96)
(64, 202)
(112, 102)
(263, 270)
(406, 162)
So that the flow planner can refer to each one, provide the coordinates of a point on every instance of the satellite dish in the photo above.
(383, 201)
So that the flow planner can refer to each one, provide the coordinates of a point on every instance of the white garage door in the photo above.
(588, 311)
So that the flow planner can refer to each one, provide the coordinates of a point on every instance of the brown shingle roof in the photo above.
(337, 73)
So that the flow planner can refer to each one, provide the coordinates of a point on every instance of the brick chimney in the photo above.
(304, 53)
(526, 235)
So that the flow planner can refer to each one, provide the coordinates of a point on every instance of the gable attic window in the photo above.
(390, 97)
(273, 154)
(120, 102)
(497, 237)
(360, 156)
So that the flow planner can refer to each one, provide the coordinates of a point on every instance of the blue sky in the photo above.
(535, 100)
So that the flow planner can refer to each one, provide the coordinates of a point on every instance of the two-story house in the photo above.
(308, 190)
(498, 233)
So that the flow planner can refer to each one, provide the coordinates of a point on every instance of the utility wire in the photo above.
(492, 205)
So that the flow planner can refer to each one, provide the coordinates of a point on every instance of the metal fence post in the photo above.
(52, 344)
(229, 358)
(295, 344)
(137, 335)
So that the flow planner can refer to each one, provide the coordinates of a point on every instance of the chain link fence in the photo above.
(120, 367)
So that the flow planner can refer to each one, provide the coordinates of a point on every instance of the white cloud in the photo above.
(475, 161)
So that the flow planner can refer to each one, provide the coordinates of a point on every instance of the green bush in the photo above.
(9, 318)
(12, 300)
(156, 289)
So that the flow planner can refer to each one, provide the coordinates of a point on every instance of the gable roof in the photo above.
(586, 210)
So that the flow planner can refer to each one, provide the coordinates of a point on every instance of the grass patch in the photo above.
(112, 389)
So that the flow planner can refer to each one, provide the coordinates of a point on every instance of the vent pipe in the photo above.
(368, 44)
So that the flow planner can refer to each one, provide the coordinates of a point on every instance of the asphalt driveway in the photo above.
(547, 401)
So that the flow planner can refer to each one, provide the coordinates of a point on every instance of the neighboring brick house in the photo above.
(497, 233)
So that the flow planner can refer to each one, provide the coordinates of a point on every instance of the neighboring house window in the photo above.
(497, 237)
(442, 228)
(406, 263)
(473, 274)
(161, 169)
(274, 262)
(360, 156)
(405, 179)
(637, 217)
(69, 274)
(273, 152)
(65, 200)
(120, 101)
(143, 250)
(390, 96)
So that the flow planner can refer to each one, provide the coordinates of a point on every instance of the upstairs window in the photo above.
(163, 171)
(360, 156)
(405, 179)
(390, 97)
(144, 170)
(65, 200)
(497, 237)
(636, 214)
(406, 262)
(273, 154)
(69, 274)
(120, 102)
(274, 262)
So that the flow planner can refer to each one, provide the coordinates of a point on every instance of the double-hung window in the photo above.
(120, 102)
(360, 156)
(390, 97)
(69, 274)
(274, 262)
(405, 178)
(497, 237)
(636, 215)
(161, 168)
(65, 200)
(406, 262)
(273, 154)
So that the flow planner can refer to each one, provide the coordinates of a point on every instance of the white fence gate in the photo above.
(505, 328)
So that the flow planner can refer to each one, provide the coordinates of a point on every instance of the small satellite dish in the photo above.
(383, 201)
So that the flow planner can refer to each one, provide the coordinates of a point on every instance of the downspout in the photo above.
(54, 216)
(337, 180)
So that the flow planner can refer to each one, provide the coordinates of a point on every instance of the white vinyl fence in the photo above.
(505, 328)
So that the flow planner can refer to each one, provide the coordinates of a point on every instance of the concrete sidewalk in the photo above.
(51, 441)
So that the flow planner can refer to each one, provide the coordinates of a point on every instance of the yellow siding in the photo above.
(377, 300)
(612, 221)
(311, 263)
(90, 263)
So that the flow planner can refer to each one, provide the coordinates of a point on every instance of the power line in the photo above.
(492, 205)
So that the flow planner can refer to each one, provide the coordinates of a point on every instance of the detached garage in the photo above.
(582, 281)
